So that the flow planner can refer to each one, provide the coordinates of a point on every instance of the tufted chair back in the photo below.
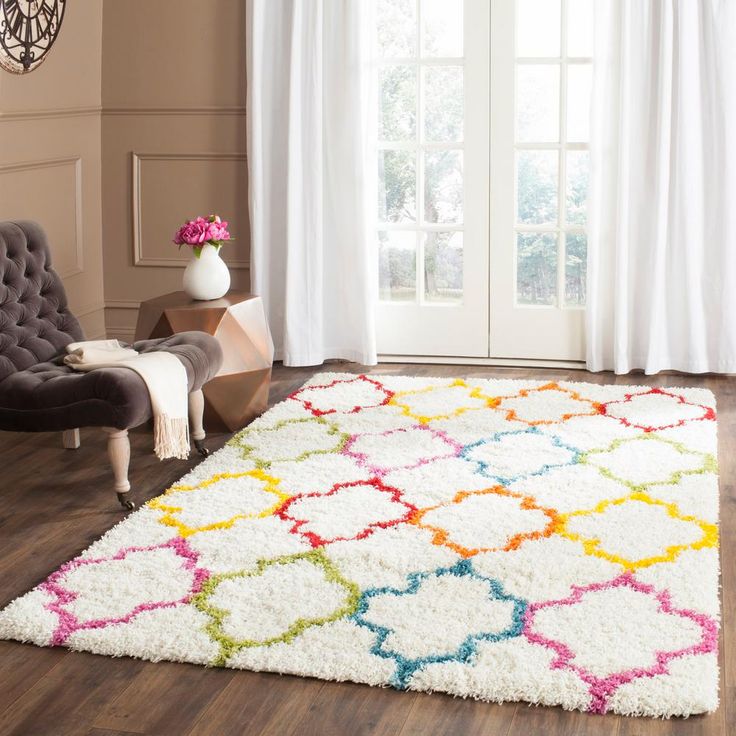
(35, 322)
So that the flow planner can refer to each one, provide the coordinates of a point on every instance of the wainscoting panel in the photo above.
(50, 172)
(160, 168)
(52, 187)
(167, 185)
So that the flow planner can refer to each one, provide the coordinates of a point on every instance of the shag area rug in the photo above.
(554, 543)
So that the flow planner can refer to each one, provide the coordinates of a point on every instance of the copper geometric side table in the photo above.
(239, 392)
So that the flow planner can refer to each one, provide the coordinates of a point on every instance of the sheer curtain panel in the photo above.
(662, 245)
(308, 118)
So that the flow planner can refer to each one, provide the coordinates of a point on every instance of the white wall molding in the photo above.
(129, 111)
(122, 304)
(89, 309)
(47, 113)
(49, 163)
(178, 111)
(139, 257)
(127, 334)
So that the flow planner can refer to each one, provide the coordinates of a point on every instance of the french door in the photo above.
(433, 77)
(483, 169)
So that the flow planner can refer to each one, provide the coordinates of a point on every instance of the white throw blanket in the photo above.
(164, 376)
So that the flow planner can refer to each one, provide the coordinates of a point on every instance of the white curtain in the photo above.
(662, 244)
(309, 115)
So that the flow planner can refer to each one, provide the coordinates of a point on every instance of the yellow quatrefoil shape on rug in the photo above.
(637, 531)
(274, 602)
(219, 501)
(433, 403)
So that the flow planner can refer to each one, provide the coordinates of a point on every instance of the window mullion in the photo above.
(420, 157)
(562, 185)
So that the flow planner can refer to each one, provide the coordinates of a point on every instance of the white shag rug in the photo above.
(554, 543)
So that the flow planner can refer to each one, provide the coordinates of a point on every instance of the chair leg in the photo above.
(118, 449)
(196, 412)
(70, 439)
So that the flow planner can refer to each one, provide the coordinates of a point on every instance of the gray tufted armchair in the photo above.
(39, 393)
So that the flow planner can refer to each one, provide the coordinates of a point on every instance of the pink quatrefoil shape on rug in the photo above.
(401, 449)
(134, 580)
(612, 633)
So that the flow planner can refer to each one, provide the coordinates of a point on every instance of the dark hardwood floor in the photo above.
(55, 502)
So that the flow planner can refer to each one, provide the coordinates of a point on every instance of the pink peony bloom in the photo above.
(192, 233)
(218, 230)
(202, 230)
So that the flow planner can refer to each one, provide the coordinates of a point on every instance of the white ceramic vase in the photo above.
(206, 277)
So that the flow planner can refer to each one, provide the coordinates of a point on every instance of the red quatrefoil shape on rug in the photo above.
(347, 511)
(669, 409)
(343, 396)
(92, 593)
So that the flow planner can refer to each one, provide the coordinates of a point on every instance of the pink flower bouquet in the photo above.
(203, 231)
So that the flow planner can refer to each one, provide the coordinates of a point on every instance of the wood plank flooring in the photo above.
(55, 502)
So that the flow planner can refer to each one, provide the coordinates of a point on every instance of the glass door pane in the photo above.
(541, 78)
(431, 217)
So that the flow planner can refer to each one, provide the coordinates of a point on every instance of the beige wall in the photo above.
(173, 142)
(50, 147)
(135, 122)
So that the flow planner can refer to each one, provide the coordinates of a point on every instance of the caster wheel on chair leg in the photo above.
(125, 502)
(201, 449)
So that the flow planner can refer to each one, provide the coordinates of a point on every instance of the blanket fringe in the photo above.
(171, 437)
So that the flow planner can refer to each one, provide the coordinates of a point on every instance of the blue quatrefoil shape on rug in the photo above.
(440, 616)
(506, 457)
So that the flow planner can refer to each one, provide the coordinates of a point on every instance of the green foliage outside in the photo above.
(537, 186)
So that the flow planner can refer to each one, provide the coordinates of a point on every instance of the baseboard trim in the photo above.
(127, 333)
(491, 362)
(122, 304)
(90, 309)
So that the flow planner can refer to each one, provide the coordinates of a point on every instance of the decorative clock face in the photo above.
(28, 29)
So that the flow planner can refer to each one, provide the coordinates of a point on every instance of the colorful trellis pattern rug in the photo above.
(549, 542)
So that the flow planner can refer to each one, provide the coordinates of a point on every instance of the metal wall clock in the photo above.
(28, 30)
